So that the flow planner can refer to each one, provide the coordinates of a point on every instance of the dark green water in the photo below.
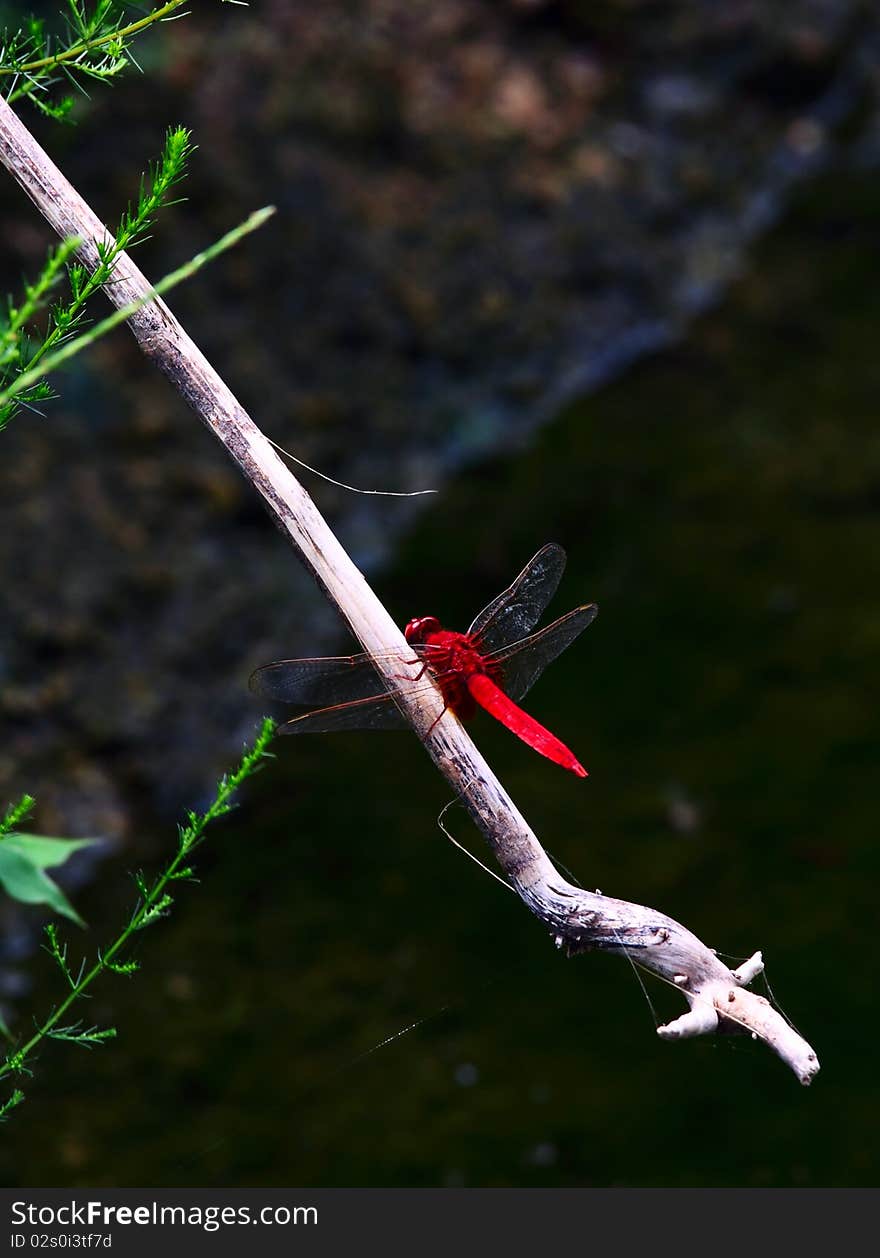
(722, 505)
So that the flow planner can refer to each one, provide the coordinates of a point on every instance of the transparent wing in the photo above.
(376, 712)
(329, 680)
(522, 663)
(516, 611)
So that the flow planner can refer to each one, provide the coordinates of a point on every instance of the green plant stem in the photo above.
(34, 295)
(16, 813)
(151, 903)
(66, 317)
(51, 361)
(78, 50)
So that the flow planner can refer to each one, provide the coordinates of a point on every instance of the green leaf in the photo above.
(24, 880)
(43, 852)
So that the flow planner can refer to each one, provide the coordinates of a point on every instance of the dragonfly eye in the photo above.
(419, 628)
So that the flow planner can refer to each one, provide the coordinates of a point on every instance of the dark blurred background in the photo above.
(603, 274)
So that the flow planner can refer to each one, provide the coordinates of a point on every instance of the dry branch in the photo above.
(578, 920)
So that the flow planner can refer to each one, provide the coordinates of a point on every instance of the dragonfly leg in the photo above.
(436, 719)
(419, 675)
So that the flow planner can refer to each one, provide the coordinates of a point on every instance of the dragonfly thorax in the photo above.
(449, 655)
(452, 658)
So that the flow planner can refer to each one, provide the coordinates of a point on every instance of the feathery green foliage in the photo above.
(17, 813)
(154, 902)
(34, 374)
(21, 353)
(93, 44)
(25, 360)
(14, 1099)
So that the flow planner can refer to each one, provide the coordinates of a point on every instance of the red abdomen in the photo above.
(468, 680)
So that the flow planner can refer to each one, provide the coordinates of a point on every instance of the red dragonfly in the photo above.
(492, 666)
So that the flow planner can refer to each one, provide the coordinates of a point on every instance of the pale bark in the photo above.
(578, 920)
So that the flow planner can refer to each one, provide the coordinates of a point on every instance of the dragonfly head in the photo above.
(419, 628)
